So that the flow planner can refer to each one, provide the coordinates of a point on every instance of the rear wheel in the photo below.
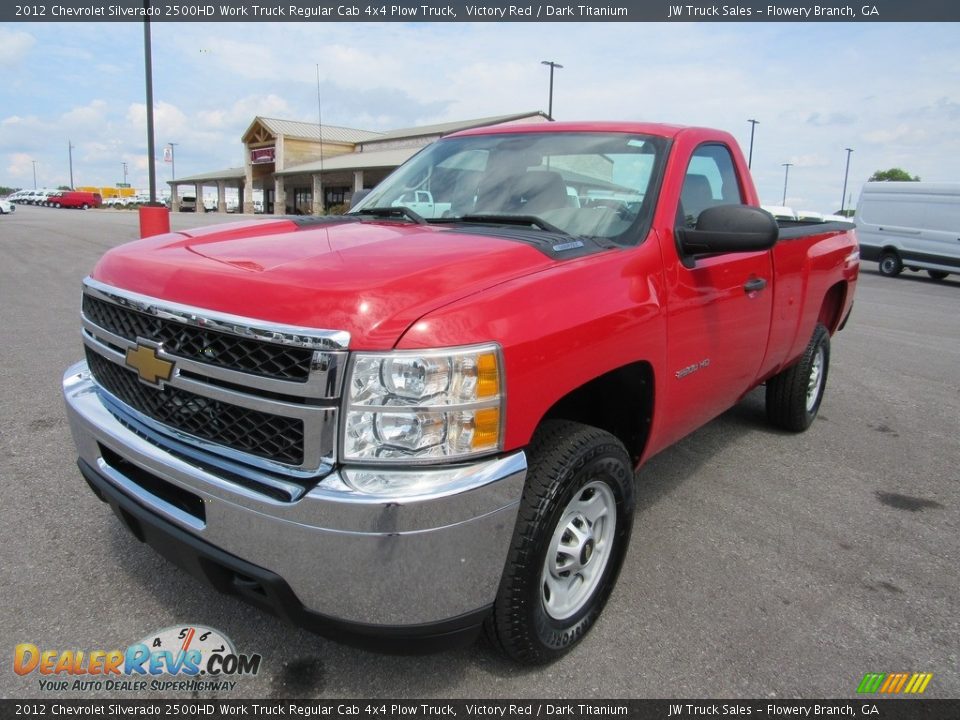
(85, 206)
(890, 264)
(795, 393)
(937, 274)
(572, 531)
(56, 205)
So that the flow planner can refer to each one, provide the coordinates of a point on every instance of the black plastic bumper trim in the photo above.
(267, 590)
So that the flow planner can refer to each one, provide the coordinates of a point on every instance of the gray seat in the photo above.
(528, 194)
(695, 197)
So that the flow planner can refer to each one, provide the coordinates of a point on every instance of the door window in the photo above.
(711, 180)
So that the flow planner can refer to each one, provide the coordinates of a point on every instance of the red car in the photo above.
(75, 199)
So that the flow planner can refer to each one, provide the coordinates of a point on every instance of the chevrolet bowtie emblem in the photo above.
(151, 368)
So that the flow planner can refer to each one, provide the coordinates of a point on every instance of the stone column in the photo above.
(357, 180)
(241, 204)
(174, 197)
(247, 185)
(198, 190)
(318, 206)
(279, 196)
(221, 196)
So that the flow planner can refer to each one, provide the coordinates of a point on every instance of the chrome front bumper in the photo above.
(350, 556)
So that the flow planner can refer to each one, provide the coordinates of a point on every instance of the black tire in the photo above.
(937, 274)
(795, 393)
(890, 264)
(572, 467)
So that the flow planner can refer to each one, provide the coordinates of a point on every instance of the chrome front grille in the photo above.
(197, 343)
(256, 393)
(274, 437)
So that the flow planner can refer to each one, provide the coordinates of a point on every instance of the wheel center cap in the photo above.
(587, 552)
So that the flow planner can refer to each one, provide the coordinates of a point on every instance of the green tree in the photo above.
(4, 190)
(893, 175)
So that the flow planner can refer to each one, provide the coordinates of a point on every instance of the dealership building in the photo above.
(304, 168)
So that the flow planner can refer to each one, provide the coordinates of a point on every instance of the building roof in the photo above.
(228, 174)
(450, 127)
(355, 161)
(311, 131)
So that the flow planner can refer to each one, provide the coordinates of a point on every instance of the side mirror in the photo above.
(726, 229)
(357, 197)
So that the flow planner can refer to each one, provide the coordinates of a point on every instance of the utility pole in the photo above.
(846, 174)
(173, 160)
(34, 174)
(148, 73)
(124, 172)
(552, 65)
(70, 147)
(753, 126)
(154, 217)
(786, 174)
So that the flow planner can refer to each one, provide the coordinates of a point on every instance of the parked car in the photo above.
(311, 413)
(6, 207)
(910, 224)
(31, 197)
(77, 199)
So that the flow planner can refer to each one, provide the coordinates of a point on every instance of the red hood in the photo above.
(372, 279)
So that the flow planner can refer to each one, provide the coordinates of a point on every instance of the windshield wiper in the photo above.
(505, 219)
(388, 212)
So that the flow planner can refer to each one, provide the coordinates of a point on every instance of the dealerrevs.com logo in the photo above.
(184, 658)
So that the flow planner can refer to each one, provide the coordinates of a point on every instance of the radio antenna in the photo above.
(320, 125)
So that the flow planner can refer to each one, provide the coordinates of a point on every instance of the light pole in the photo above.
(34, 174)
(753, 126)
(173, 161)
(846, 174)
(70, 147)
(552, 65)
(124, 173)
(154, 217)
(148, 75)
(786, 174)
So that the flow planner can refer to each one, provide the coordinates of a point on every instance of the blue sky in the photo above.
(890, 91)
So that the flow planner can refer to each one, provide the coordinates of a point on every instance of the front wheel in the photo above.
(890, 264)
(795, 393)
(937, 274)
(572, 531)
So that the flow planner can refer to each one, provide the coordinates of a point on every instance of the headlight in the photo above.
(422, 406)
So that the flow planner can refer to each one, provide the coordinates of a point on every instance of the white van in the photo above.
(910, 224)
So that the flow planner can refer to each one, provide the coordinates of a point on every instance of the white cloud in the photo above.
(14, 47)
(20, 166)
(210, 81)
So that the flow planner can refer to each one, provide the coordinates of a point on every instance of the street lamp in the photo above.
(70, 147)
(124, 173)
(753, 126)
(34, 174)
(552, 65)
(173, 160)
(786, 174)
(846, 174)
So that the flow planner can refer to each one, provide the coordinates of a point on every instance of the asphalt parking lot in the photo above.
(762, 564)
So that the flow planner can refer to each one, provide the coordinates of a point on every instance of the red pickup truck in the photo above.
(424, 417)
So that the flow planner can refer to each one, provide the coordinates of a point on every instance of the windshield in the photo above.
(583, 184)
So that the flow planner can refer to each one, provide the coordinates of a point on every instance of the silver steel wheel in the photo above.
(815, 380)
(579, 550)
